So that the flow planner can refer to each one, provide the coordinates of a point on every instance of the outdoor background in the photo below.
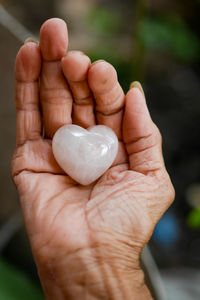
(156, 42)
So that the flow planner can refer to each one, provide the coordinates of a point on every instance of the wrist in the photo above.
(88, 275)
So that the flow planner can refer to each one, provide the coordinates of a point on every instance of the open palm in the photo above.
(64, 219)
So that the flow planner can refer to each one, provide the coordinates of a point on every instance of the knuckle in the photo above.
(170, 191)
(171, 195)
(166, 196)
(157, 133)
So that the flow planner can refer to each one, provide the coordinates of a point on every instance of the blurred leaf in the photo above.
(170, 35)
(14, 285)
(193, 219)
(102, 20)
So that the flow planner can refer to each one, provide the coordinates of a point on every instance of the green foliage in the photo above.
(103, 21)
(171, 35)
(14, 285)
(193, 219)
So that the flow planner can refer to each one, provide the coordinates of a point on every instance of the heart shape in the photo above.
(85, 154)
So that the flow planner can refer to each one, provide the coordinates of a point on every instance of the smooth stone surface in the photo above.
(85, 154)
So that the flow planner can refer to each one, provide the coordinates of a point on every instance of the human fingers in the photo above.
(75, 66)
(108, 94)
(55, 95)
(27, 72)
(141, 136)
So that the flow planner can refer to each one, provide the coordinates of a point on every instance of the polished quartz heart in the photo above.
(85, 154)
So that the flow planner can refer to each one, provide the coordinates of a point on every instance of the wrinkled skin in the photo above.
(86, 240)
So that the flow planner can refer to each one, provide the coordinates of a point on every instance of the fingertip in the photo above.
(53, 39)
(134, 96)
(102, 76)
(137, 84)
(75, 65)
(28, 62)
(137, 119)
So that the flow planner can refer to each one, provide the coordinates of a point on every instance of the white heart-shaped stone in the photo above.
(85, 154)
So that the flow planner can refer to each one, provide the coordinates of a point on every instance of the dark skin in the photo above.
(86, 240)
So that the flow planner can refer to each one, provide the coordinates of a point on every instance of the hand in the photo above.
(86, 240)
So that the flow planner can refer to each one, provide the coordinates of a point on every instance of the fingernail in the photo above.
(72, 52)
(98, 61)
(137, 84)
(30, 40)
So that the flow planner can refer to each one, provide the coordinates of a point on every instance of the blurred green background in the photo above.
(155, 42)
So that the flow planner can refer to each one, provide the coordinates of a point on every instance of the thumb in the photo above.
(141, 136)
